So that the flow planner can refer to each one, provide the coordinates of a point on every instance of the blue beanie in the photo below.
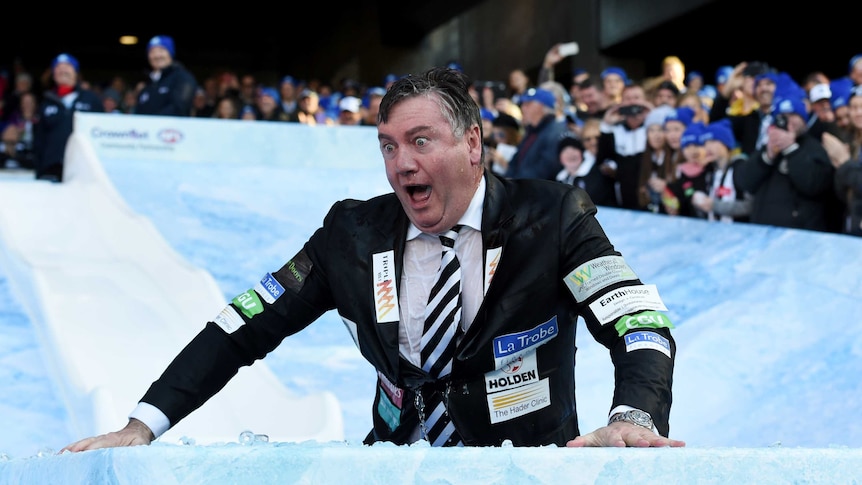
(541, 95)
(272, 93)
(790, 105)
(840, 91)
(723, 74)
(692, 135)
(683, 114)
(720, 131)
(163, 41)
(68, 60)
(615, 70)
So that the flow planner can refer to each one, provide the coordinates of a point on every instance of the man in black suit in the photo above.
(533, 258)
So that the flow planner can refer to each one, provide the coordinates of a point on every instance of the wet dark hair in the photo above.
(447, 87)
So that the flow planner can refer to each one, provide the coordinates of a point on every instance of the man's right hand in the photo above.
(134, 433)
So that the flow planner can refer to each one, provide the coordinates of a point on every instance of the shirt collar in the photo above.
(472, 217)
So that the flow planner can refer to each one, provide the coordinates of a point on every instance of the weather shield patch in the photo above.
(596, 274)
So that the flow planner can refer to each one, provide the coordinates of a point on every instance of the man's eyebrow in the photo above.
(409, 133)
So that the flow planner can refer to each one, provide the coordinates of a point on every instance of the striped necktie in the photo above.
(439, 338)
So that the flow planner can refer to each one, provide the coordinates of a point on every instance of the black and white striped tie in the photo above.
(439, 338)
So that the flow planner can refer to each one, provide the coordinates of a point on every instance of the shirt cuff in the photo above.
(152, 417)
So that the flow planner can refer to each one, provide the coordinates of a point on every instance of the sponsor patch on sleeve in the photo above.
(248, 303)
(647, 340)
(642, 320)
(269, 288)
(625, 300)
(296, 271)
(229, 320)
(596, 274)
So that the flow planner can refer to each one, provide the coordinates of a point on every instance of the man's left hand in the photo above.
(621, 434)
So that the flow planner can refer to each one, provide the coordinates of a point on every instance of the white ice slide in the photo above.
(113, 303)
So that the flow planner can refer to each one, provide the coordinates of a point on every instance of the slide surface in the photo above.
(113, 303)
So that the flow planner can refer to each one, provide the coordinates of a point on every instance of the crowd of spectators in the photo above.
(749, 144)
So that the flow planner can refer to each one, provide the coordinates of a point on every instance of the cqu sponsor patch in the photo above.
(596, 274)
(248, 303)
(642, 320)
(625, 300)
(647, 340)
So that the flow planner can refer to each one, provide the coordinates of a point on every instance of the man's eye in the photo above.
(388, 147)
(421, 141)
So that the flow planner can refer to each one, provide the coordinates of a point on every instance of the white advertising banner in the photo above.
(183, 139)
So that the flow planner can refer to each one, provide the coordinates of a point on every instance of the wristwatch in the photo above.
(633, 416)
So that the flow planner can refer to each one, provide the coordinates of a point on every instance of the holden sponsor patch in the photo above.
(625, 300)
(248, 303)
(269, 288)
(596, 274)
(516, 389)
(642, 320)
(647, 340)
(229, 320)
(385, 289)
(510, 346)
(294, 273)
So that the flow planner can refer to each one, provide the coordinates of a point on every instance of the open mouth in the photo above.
(418, 193)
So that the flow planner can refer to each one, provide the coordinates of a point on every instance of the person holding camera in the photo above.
(623, 141)
(791, 175)
(748, 113)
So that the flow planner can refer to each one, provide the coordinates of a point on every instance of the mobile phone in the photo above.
(568, 49)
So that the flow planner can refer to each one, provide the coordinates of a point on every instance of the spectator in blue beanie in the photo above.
(170, 88)
(791, 175)
(724, 201)
(56, 115)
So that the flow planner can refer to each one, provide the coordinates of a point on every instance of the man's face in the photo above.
(613, 84)
(64, 74)
(764, 92)
(823, 109)
(159, 57)
(856, 73)
(592, 99)
(433, 173)
(532, 112)
(854, 111)
(665, 97)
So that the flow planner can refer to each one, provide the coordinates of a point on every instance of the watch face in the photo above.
(634, 416)
(640, 418)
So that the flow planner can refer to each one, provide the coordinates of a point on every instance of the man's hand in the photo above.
(134, 433)
(621, 434)
(838, 151)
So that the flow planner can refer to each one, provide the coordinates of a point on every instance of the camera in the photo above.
(780, 121)
(631, 110)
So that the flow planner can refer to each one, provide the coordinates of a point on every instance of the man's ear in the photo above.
(474, 142)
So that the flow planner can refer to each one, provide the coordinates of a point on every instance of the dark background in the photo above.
(309, 40)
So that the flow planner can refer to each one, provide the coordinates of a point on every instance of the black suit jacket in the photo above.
(513, 373)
